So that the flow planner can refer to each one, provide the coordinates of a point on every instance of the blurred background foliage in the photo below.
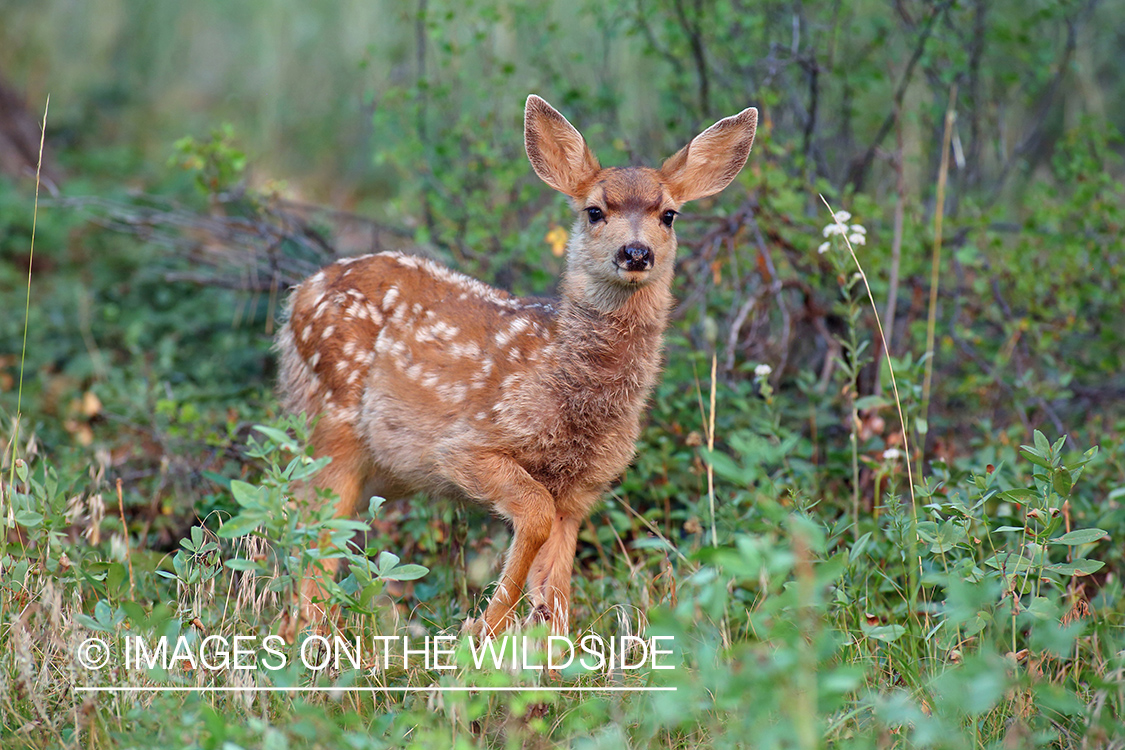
(201, 157)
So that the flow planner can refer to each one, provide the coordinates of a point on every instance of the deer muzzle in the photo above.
(634, 258)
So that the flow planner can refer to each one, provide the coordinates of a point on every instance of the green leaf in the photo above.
(241, 525)
(927, 530)
(884, 633)
(302, 467)
(238, 563)
(247, 495)
(405, 573)
(1018, 495)
(282, 439)
(859, 547)
(29, 519)
(1061, 482)
(1058, 446)
(726, 467)
(949, 535)
(1086, 458)
(386, 561)
(871, 402)
(1042, 444)
(218, 479)
(91, 624)
(374, 504)
(1076, 568)
(102, 613)
(1034, 457)
(1081, 536)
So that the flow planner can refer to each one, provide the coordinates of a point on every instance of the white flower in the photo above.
(823, 247)
(892, 454)
(859, 229)
(832, 229)
(762, 371)
(857, 239)
(841, 216)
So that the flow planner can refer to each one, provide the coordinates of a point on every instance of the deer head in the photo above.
(624, 238)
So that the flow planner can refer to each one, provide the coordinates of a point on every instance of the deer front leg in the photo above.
(345, 477)
(505, 485)
(549, 580)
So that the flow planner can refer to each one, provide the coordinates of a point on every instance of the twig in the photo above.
(125, 534)
(859, 170)
(935, 267)
(896, 237)
(710, 452)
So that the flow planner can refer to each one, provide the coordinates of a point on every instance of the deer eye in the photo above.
(595, 214)
(668, 217)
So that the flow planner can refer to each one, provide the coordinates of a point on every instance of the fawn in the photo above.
(427, 380)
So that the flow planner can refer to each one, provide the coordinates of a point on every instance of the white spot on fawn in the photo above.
(328, 333)
(390, 297)
(515, 328)
(468, 349)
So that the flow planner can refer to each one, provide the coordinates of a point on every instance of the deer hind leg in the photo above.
(549, 579)
(345, 476)
(506, 486)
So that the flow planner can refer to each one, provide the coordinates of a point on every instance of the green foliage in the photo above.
(217, 163)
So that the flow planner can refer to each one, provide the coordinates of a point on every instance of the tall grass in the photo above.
(9, 521)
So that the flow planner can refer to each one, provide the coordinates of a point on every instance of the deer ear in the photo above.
(557, 151)
(713, 158)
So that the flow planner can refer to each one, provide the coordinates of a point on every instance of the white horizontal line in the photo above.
(435, 689)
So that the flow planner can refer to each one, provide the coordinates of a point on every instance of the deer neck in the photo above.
(614, 349)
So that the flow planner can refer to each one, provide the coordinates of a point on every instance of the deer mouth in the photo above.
(632, 277)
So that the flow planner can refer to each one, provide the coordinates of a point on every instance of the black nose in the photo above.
(635, 257)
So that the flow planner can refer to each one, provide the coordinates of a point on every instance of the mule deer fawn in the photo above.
(427, 380)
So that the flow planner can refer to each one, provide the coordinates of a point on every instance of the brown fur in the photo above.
(427, 380)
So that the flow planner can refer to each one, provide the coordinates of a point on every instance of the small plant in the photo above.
(217, 163)
(300, 527)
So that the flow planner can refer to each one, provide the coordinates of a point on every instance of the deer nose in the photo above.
(635, 257)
